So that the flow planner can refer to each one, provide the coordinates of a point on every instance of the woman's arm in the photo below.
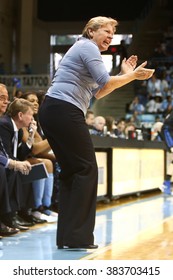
(39, 145)
(140, 73)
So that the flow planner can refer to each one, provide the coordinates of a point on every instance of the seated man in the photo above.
(5, 208)
(20, 114)
(98, 126)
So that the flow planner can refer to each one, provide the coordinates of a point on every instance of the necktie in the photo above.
(15, 143)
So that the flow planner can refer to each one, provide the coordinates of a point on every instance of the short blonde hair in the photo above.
(19, 105)
(97, 22)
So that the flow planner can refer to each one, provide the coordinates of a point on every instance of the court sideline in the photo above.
(133, 228)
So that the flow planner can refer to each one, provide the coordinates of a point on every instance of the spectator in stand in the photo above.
(155, 131)
(164, 83)
(111, 126)
(89, 118)
(129, 130)
(154, 105)
(153, 86)
(98, 126)
(136, 107)
(134, 118)
(167, 105)
(120, 128)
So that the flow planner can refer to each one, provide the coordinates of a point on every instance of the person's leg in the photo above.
(9, 219)
(166, 187)
(48, 190)
(38, 191)
(167, 137)
(5, 209)
(4, 196)
(14, 189)
(68, 135)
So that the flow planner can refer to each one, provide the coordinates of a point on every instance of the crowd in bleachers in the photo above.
(153, 98)
(156, 94)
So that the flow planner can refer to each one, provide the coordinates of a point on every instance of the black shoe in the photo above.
(28, 218)
(17, 224)
(7, 231)
(23, 222)
(81, 247)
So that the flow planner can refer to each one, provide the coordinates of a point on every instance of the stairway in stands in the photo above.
(148, 30)
(115, 103)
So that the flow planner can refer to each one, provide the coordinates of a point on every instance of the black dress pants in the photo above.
(15, 189)
(4, 196)
(64, 126)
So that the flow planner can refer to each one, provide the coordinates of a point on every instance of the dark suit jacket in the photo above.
(3, 154)
(16, 191)
(7, 134)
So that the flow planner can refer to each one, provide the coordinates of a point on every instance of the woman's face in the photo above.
(34, 100)
(103, 37)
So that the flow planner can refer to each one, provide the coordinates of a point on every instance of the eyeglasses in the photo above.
(3, 98)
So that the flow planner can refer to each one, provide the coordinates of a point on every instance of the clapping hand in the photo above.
(128, 65)
(142, 73)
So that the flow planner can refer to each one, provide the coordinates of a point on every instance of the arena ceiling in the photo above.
(122, 10)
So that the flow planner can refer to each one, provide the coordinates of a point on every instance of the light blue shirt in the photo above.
(80, 74)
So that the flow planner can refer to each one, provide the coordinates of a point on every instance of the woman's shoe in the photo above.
(81, 247)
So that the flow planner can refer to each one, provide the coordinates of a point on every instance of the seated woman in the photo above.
(41, 152)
